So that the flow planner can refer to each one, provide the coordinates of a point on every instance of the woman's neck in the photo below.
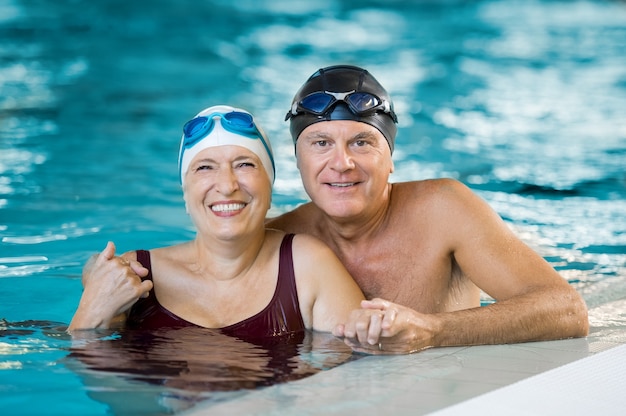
(228, 258)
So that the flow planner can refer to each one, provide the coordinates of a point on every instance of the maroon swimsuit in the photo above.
(280, 317)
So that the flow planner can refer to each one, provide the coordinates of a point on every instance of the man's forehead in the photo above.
(336, 129)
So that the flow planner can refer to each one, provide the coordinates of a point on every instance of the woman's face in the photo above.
(227, 191)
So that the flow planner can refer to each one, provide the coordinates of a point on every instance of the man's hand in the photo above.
(112, 285)
(383, 327)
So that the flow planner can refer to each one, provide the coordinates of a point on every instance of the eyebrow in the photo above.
(318, 135)
(237, 159)
(324, 135)
(364, 135)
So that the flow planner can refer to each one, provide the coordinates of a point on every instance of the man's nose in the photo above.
(342, 159)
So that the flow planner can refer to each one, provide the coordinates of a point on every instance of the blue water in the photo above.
(521, 100)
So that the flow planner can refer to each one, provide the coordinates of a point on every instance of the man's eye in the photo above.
(321, 143)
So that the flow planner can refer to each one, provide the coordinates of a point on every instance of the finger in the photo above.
(107, 254)
(375, 303)
(146, 287)
(374, 328)
(109, 250)
(349, 327)
(138, 268)
(338, 330)
(362, 328)
(388, 319)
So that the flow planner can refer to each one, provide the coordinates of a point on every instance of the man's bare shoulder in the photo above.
(428, 190)
(300, 220)
(437, 205)
(448, 208)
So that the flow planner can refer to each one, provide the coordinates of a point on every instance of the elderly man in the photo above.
(421, 251)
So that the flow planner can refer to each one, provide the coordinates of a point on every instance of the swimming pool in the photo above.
(522, 101)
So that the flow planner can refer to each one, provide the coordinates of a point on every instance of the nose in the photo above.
(341, 159)
(227, 181)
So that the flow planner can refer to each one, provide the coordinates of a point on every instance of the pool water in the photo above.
(522, 101)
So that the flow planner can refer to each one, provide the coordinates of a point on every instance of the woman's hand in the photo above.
(383, 327)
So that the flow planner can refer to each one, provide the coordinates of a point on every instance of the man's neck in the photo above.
(357, 229)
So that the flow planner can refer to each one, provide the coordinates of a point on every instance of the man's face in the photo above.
(345, 166)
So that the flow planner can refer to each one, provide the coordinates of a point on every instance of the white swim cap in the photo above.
(223, 125)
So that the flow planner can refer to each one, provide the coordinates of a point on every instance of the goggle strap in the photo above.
(324, 82)
(361, 80)
(337, 96)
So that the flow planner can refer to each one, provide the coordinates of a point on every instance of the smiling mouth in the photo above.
(342, 184)
(227, 207)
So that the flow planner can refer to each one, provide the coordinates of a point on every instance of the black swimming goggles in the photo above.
(360, 103)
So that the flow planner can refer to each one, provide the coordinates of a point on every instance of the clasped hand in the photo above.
(111, 287)
(383, 327)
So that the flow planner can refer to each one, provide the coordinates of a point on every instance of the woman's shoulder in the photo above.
(301, 242)
(174, 253)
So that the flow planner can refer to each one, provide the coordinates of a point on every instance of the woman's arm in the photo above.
(326, 291)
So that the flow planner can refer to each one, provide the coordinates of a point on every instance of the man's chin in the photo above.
(338, 209)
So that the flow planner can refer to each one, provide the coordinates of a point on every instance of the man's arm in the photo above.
(111, 286)
(533, 302)
(383, 327)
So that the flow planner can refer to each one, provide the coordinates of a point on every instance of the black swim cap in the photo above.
(337, 82)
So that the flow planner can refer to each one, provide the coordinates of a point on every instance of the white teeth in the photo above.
(342, 185)
(227, 207)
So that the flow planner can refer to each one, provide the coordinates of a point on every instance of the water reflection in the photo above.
(159, 372)
(191, 364)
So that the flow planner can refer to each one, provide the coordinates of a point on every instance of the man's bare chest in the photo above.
(413, 278)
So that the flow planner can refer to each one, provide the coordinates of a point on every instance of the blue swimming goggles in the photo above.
(236, 122)
(360, 103)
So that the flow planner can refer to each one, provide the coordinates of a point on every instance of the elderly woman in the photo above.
(236, 275)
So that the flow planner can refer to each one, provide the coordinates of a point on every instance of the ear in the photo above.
(393, 167)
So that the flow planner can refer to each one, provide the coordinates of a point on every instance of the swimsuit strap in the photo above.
(143, 257)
